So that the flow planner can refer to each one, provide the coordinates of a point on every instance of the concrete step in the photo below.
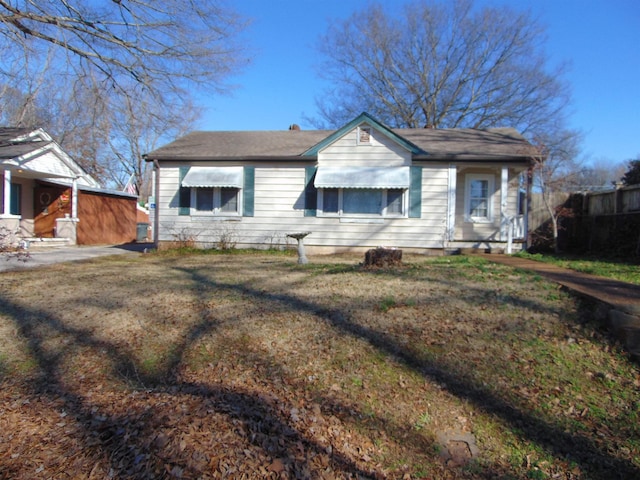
(39, 243)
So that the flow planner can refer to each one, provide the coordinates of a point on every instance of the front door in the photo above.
(50, 203)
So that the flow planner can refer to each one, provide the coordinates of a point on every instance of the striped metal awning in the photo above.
(213, 177)
(362, 177)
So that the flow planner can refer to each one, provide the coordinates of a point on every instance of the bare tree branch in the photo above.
(160, 43)
(442, 65)
(106, 76)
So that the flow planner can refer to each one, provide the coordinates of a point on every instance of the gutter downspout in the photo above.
(156, 211)
(451, 204)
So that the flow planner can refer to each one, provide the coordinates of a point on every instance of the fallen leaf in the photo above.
(276, 466)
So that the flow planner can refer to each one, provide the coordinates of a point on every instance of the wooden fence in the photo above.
(605, 222)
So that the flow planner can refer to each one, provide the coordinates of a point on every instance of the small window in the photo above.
(217, 200)
(362, 202)
(479, 190)
(364, 135)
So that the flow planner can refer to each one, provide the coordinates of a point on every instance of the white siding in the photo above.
(279, 209)
(470, 231)
(48, 163)
(170, 225)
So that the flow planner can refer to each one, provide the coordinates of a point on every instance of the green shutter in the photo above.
(310, 192)
(184, 194)
(248, 199)
(14, 200)
(415, 192)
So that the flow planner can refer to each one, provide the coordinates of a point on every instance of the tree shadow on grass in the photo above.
(146, 442)
(577, 448)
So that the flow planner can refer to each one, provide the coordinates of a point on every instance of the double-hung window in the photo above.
(363, 191)
(479, 191)
(218, 200)
(215, 190)
(363, 202)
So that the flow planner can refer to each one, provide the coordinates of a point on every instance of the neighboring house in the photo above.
(45, 194)
(362, 186)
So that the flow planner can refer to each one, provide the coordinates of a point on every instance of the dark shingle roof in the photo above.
(10, 147)
(7, 134)
(290, 144)
(241, 144)
(468, 143)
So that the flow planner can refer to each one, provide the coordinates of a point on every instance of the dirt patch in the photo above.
(252, 366)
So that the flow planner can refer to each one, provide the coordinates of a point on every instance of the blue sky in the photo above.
(599, 39)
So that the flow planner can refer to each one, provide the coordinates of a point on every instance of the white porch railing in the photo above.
(518, 227)
(516, 231)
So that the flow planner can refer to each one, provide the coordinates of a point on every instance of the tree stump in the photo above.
(382, 257)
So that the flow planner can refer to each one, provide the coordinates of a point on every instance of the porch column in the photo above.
(6, 190)
(74, 198)
(451, 202)
(505, 224)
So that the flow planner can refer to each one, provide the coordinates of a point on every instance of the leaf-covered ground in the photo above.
(251, 366)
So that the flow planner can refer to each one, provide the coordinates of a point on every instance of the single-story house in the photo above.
(45, 194)
(362, 186)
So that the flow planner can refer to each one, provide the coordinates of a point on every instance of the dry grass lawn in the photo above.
(251, 366)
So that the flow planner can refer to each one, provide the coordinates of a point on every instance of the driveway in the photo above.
(49, 256)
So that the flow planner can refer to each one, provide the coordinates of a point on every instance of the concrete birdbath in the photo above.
(302, 258)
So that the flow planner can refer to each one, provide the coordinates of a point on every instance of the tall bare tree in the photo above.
(444, 65)
(557, 171)
(105, 54)
(453, 65)
(138, 127)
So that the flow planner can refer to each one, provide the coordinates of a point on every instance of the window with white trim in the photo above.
(366, 202)
(478, 194)
(216, 200)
